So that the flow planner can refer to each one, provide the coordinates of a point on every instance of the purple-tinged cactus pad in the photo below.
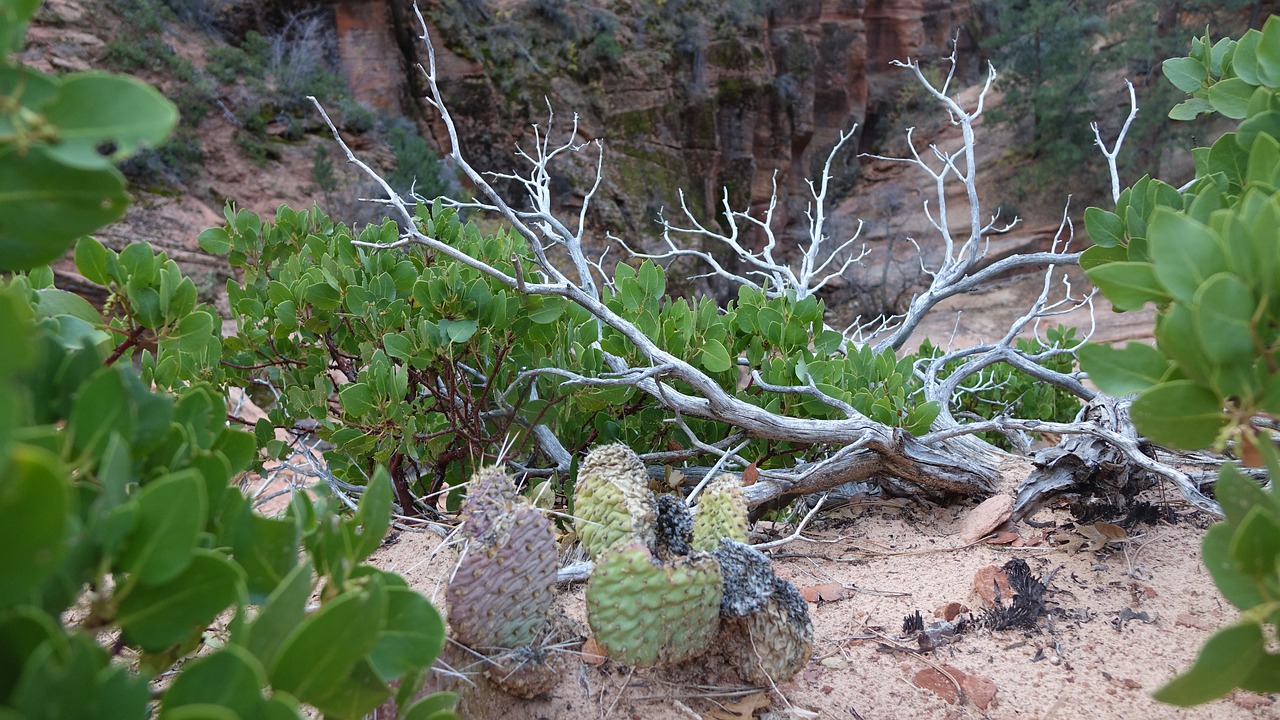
(501, 594)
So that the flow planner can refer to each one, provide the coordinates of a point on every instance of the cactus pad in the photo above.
(748, 578)
(526, 672)
(674, 526)
(646, 614)
(721, 513)
(772, 644)
(612, 500)
(501, 593)
(491, 498)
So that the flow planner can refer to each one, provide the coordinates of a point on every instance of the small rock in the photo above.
(933, 680)
(985, 582)
(949, 611)
(981, 690)
(986, 517)
(1194, 621)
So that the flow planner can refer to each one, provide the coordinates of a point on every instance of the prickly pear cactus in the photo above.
(644, 613)
(501, 593)
(721, 513)
(773, 643)
(612, 500)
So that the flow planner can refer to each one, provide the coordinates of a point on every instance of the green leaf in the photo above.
(51, 302)
(171, 514)
(1231, 97)
(355, 696)
(45, 206)
(1185, 253)
(413, 637)
(714, 357)
(1269, 53)
(1120, 371)
(1106, 229)
(321, 651)
(459, 331)
(35, 502)
(1245, 59)
(437, 706)
(1239, 589)
(13, 24)
(267, 549)
(119, 695)
(921, 417)
(373, 515)
(1128, 285)
(215, 241)
(231, 678)
(549, 311)
(1179, 414)
(1225, 661)
(1224, 310)
(323, 296)
(157, 616)
(1255, 545)
(91, 260)
(1189, 109)
(103, 118)
(1187, 74)
(283, 612)
(356, 399)
(1265, 676)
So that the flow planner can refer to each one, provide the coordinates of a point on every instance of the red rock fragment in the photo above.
(933, 680)
(986, 517)
(949, 611)
(985, 582)
(981, 690)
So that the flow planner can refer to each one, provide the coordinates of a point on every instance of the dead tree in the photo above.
(950, 462)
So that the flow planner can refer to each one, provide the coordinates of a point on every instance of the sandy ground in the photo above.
(1122, 619)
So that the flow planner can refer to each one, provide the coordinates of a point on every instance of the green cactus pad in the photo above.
(612, 500)
(501, 593)
(645, 614)
(772, 644)
(721, 513)
(491, 498)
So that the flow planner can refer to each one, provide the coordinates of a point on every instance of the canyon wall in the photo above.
(686, 95)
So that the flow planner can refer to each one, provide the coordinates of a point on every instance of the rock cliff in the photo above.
(687, 94)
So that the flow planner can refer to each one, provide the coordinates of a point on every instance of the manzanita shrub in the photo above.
(130, 552)
(1208, 258)
(433, 363)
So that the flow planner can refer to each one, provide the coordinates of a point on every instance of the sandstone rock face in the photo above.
(691, 96)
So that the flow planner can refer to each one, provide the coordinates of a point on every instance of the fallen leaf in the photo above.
(1031, 540)
(741, 709)
(1003, 537)
(750, 474)
(826, 592)
(592, 653)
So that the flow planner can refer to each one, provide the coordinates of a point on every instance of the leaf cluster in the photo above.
(59, 138)
(129, 492)
(1207, 257)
